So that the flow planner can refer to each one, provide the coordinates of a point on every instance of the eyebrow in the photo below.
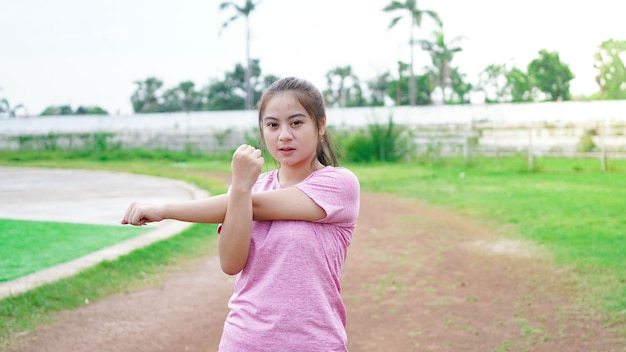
(298, 114)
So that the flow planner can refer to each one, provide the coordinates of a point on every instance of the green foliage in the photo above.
(57, 110)
(502, 84)
(493, 83)
(520, 85)
(398, 90)
(611, 76)
(378, 89)
(460, 88)
(586, 144)
(414, 14)
(91, 110)
(145, 99)
(550, 75)
(441, 54)
(378, 142)
(343, 88)
(105, 155)
(67, 110)
(7, 110)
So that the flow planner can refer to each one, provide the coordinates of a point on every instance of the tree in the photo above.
(230, 93)
(399, 89)
(145, 99)
(343, 88)
(244, 11)
(611, 76)
(460, 88)
(492, 81)
(57, 110)
(191, 100)
(441, 54)
(410, 6)
(550, 75)
(183, 97)
(8, 110)
(90, 110)
(378, 88)
(519, 85)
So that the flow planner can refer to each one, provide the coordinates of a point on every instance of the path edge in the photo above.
(166, 229)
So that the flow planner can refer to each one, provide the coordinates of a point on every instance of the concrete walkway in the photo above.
(90, 197)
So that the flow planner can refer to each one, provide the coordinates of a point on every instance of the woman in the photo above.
(285, 232)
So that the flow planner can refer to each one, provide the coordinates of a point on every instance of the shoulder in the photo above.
(333, 177)
(336, 172)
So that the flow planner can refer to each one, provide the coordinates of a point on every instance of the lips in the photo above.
(286, 150)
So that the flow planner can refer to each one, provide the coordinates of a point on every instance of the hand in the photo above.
(142, 214)
(246, 167)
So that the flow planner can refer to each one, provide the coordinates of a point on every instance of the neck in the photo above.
(289, 176)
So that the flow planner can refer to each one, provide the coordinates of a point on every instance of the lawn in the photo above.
(30, 246)
(567, 206)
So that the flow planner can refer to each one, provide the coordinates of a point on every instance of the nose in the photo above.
(285, 133)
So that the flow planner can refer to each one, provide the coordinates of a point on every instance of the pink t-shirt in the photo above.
(287, 297)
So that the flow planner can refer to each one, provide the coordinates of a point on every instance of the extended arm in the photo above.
(283, 204)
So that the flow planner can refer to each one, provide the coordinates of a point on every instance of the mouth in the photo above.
(286, 150)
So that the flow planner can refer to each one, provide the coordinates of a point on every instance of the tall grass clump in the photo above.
(376, 142)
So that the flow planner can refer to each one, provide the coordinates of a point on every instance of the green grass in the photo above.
(138, 269)
(30, 246)
(568, 206)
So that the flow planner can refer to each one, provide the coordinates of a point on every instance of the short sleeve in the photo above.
(337, 191)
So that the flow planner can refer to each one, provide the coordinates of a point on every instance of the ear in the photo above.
(322, 127)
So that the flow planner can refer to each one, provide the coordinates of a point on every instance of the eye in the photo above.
(272, 124)
(296, 122)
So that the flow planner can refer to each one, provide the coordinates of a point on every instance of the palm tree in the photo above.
(244, 11)
(416, 21)
(146, 96)
(441, 54)
(5, 108)
(340, 82)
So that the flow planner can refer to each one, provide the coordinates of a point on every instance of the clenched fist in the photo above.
(141, 214)
(246, 167)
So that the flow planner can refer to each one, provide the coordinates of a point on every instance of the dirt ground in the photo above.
(417, 278)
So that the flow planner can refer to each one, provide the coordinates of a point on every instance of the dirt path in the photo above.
(417, 278)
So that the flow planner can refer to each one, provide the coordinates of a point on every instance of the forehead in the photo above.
(283, 103)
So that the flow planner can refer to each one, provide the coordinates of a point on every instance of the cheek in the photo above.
(269, 138)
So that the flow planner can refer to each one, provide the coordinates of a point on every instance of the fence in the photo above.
(568, 129)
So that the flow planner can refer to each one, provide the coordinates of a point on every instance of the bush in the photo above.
(378, 142)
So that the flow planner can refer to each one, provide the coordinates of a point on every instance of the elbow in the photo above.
(230, 268)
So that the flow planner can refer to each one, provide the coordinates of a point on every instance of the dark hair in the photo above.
(313, 102)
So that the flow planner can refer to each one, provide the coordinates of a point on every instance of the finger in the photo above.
(125, 219)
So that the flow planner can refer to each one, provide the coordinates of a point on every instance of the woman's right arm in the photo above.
(209, 210)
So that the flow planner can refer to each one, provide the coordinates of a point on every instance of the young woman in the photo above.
(284, 232)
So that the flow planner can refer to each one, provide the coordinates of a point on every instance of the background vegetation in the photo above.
(545, 78)
(568, 207)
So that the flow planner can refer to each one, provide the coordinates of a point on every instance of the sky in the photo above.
(76, 52)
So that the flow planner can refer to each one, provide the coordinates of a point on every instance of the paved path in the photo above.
(91, 197)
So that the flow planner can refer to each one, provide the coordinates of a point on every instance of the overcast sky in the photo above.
(81, 52)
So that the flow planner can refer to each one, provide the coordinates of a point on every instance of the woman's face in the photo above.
(290, 134)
